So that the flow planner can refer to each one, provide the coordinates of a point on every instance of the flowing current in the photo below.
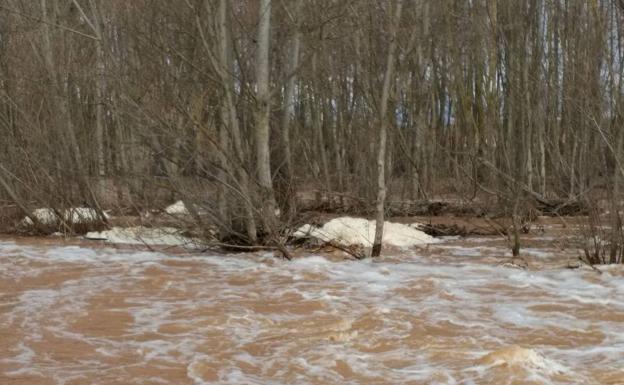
(446, 314)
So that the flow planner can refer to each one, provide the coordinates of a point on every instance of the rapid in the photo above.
(448, 313)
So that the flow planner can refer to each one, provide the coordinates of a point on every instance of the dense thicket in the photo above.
(131, 103)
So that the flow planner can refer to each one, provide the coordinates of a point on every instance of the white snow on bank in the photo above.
(45, 216)
(178, 208)
(140, 235)
(359, 231)
(75, 215)
(82, 215)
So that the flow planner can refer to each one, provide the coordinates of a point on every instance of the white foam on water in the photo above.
(535, 362)
(533, 252)
(492, 305)
(24, 355)
(477, 251)
(517, 315)
(194, 369)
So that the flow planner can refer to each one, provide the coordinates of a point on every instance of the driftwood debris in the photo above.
(434, 208)
(561, 208)
(463, 230)
(278, 247)
(331, 202)
(444, 230)
(356, 206)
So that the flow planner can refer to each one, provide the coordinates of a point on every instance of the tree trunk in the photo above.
(288, 107)
(263, 110)
(383, 132)
(229, 119)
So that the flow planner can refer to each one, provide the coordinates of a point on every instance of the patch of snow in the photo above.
(45, 216)
(178, 208)
(82, 215)
(140, 235)
(75, 215)
(359, 231)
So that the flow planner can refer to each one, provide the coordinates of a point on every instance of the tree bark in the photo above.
(229, 119)
(288, 106)
(383, 131)
(262, 119)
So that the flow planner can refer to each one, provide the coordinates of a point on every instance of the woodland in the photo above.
(254, 112)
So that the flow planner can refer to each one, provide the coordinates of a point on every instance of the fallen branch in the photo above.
(590, 265)
(354, 251)
(227, 246)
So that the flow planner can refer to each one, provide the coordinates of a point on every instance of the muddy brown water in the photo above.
(445, 314)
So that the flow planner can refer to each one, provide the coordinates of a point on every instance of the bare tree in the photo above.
(486, 101)
(263, 111)
(288, 104)
(383, 129)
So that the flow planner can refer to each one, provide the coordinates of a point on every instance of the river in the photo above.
(446, 314)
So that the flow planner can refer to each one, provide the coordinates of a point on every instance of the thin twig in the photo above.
(38, 20)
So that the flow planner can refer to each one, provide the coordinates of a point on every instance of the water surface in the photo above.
(71, 314)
